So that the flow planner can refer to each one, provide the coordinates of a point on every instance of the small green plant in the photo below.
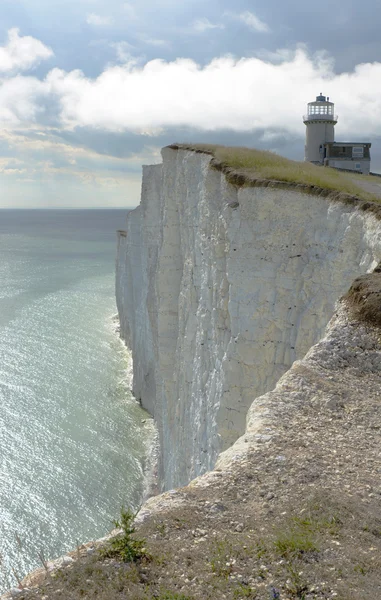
(161, 528)
(362, 569)
(295, 542)
(244, 591)
(260, 549)
(297, 585)
(300, 535)
(124, 545)
(220, 558)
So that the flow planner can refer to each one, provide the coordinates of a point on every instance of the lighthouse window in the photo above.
(358, 151)
(318, 110)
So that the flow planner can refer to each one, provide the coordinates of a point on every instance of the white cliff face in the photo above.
(219, 290)
(136, 268)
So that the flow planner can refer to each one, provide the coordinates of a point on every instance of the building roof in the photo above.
(348, 144)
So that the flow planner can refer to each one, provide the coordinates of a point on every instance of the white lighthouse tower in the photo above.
(320, 122)
(321, 147)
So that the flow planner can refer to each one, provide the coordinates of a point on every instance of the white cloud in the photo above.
(124, 51)
(22, 99)
(153, 41)
(98, 21)
(129, 10)
(279, 56)
(237, 94)
(227, 93)
(251, 20)
(22, 53)
(202, 25)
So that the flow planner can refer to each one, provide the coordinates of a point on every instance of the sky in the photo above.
(92, 89)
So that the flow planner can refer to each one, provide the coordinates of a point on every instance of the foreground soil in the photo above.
(293, 510)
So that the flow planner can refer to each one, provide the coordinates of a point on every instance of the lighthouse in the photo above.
(321, 148)
(320, 122)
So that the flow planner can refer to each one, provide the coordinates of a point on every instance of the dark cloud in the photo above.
(127, 144)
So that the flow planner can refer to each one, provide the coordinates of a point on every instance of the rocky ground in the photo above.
(291, 511)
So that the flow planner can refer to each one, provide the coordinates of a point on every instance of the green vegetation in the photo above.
(172, 596)
(300, 535)
(295, 542)
(260, 164)
(244, 591)
(220, 559)
(124, 545)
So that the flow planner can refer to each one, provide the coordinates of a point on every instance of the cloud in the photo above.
(123, 51)
(153, 41)
(79, 176)
(251, 20)
(98, 21)
(202, 25)
(22, 100)
(129, 10)
(237, 94)
(279, 56)
(240, 95)
(39, 142)
(22, 53)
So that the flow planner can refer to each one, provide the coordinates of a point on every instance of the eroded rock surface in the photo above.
(364, 298)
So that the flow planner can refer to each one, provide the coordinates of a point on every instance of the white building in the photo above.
(321, 147)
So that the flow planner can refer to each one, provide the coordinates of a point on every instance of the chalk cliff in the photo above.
(220, 288)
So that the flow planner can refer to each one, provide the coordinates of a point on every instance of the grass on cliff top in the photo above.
(267, 165)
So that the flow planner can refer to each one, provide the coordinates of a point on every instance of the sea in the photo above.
(73, 441)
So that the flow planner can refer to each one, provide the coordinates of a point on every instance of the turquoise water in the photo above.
(72, 444)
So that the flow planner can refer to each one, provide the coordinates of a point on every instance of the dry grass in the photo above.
(260, 164)
(325, 543)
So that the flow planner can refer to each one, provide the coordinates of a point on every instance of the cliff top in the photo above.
(259, 168)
